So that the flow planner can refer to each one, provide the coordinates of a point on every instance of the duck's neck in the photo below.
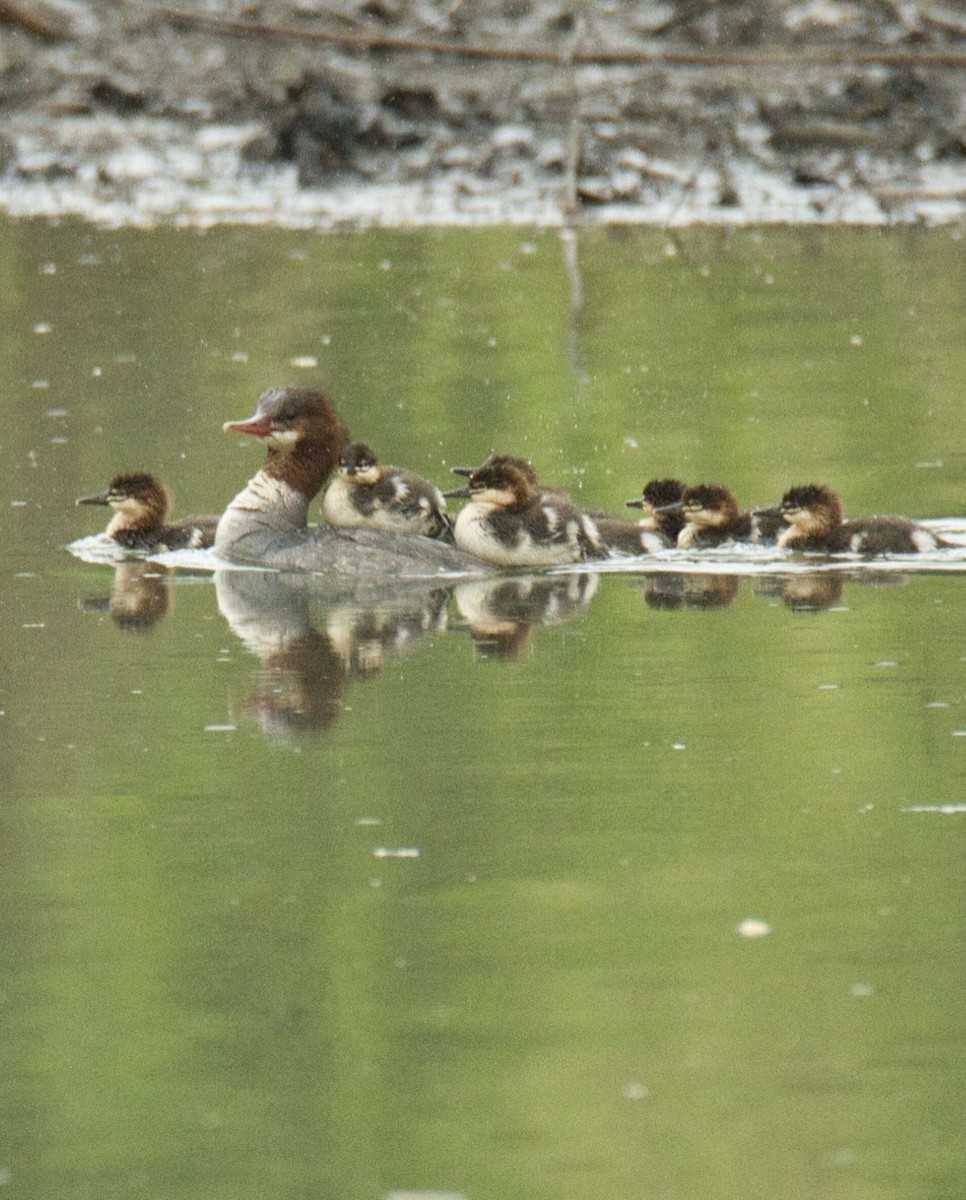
(307, 465)
(269, 512)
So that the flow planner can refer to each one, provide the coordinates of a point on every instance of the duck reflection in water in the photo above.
(501, 614)
(141, 596)
(306, 661)
(673, 590)
(805, 592)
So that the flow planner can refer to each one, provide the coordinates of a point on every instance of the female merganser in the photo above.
(654, 503)
(142, 505)
(366, 494)
(509, 522)
(266, 523)
(711, 517)
(625, 537)
(814, 514)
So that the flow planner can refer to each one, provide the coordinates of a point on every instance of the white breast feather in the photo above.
(923, 540)
(337, 507)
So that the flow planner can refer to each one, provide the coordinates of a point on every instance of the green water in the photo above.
(395, 899)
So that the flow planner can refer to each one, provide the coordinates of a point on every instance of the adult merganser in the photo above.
(626, 537)
(712, 517)
(814, 514)
(509, 522)
(366, 494)
(266, 523)
(142, 504)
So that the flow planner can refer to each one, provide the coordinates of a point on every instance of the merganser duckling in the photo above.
(367, 494)
(814, 514)
(509, 522)
(654, 502)
(142, 505)
(625, 537)
(712, 517)
(266, 523)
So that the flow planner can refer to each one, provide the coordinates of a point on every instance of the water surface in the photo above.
(621, 886)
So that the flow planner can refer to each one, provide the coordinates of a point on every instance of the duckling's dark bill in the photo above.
(98, 498)
(460, 493)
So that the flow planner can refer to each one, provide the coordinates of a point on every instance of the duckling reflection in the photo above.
(805, 592)
(306, 664)
(672, 590)
(366, 637)
(141, 596)
(502, 613)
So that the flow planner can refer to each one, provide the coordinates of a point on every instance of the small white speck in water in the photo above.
(936, 704)
(753, 927)
(632, 443)
(40, 384)
(367, 821)
(43, 327)
(48, 268)
(828, 687)
(395, 852)
(220, 728)
(679, 745)
(861, 989)
(635, 1090)
(887, 662)
(304, 362)
(856, 339)
(18, 503)
(34, 625)
(959, 733)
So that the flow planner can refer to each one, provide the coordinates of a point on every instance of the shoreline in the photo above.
(408, 113)
(151, 172)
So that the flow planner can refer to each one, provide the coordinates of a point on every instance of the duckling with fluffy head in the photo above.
(624, 537)
(711, 517)
(367, 494)
(816, 523)
(141, 505)
(658, 513)
(510, 522)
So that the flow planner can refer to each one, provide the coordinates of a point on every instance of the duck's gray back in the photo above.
(266, 524)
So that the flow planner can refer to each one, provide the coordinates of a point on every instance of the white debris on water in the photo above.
(148, 171)
(945, 809)
(753, 927)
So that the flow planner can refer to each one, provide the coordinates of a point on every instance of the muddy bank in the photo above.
(397, 112)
